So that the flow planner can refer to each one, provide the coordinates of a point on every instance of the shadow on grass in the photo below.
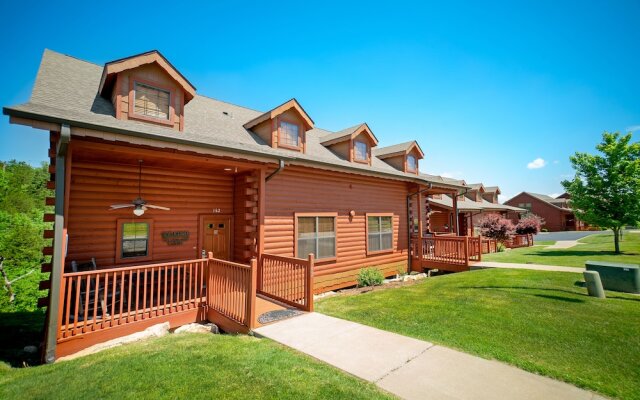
(580, 253)
(17, 330)
(547, 296)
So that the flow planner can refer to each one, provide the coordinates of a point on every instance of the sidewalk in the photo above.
(563, 244)
(536, 267)
(411, 368)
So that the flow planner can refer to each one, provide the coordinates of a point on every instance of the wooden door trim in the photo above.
(201, 218)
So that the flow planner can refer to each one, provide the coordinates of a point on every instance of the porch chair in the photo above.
(90, 266)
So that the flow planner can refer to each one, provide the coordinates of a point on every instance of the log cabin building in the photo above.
(556, 212)
(172, 206)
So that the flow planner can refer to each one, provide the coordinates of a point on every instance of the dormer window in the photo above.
(360, 151)
(151, 101)
(289, 135)
(412, 163)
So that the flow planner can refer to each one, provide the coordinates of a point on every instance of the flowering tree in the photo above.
(530, 223)
(495, 226)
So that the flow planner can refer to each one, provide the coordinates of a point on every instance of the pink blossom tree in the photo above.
(530, 223)
(495, 226)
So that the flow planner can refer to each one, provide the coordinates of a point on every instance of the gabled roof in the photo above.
(492, 189)
(64, 92)
(557, 203)
(112, 68)
(477, 186)
(349, 133)
(398, 149)
(483, 206)
(287, 105)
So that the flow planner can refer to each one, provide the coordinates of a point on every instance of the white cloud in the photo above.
(504, 197)
(537, 163)
(633, 128)
(452, 175)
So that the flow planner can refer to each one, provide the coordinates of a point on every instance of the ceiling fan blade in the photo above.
(118, 206)
(157, 207)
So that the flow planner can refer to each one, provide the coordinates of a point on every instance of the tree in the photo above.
(530, 223)
(495, 226)
(606, 188)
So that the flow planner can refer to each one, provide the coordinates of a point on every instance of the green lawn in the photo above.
(595, 247)
(187, 366)
(539, 321)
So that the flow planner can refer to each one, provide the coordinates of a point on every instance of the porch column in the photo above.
(420, 226)
(59, 247)
(455, 213)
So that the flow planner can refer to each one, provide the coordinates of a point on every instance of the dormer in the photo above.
(476, 192)
(147, 88)
(284, 127)
(403, 157)
(491, 194)
(354, 144)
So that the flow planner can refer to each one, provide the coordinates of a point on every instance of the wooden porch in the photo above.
(96, 306)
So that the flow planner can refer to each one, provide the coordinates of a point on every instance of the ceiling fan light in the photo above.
(138, 211)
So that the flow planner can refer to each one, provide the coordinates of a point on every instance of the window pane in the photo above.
(135, 239)
(361, 151)
(411, 163)
(326, 226)
(306, 227)
(374, 224)
(305, 247)
(326, 247)
(151, 101)
(289, 134)
(374, 242)
(386, 224)
(386, 241)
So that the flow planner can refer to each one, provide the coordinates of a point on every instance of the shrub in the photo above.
(370, 277)
(530, 223)
(494, 226)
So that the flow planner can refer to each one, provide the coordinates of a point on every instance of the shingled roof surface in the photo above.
(560, 203)
(340, 134)
(66, 91)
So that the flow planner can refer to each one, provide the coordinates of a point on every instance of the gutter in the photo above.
(409, 196)
(279, 157)
(59, 248)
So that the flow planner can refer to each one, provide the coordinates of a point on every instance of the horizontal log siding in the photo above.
(306, 190)
(95, 186)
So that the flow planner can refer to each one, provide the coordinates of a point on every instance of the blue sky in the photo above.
(486, 89)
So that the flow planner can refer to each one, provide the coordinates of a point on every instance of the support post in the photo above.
(309, 283)
(251, 295)
(466, 251)
(420, 227)
(455, 213)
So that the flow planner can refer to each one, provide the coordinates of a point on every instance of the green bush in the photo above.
(370, 277)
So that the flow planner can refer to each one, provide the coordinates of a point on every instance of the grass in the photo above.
(187, 366)
(595, 248)
(542, 322)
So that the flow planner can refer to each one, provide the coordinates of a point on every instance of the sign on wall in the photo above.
(175, 238)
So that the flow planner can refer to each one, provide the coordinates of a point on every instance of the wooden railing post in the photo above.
(309, 284)
(251, 294)
(466, 251)
(479, 249)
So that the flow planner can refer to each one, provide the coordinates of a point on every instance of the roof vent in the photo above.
(228, 114)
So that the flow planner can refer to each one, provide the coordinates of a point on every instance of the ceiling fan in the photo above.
(139, 205)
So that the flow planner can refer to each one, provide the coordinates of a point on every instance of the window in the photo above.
(360, 151)
(316, 235)
(526, 206)
(289, 134)
(134, 239)
(412, 163)
(151, 101)
(379, 233)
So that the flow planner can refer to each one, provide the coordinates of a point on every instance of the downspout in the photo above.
(57, 264)
(276, 172)
(409, 224)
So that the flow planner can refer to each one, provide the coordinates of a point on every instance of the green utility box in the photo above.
(616, 276)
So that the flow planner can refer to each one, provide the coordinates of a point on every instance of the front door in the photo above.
(216, 236)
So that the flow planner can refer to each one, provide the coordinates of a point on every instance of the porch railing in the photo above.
(520, 241)
(101, 299)
(231, 291)
(288, 280)
(489, 246)
(451, 250)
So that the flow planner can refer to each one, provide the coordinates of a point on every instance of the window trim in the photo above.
(366, 160)
(415, 170)
(132, 97)
(366, 232)
(120, 226)
(301, 133)
(317, 214)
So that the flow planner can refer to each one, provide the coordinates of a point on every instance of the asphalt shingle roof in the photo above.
(66, 91)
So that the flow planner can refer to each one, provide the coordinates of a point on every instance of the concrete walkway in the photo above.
(563, 244)
(535, 267)
(411, 368)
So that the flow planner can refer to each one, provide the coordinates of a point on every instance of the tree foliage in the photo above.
(495, 226)
(22, 206)
(606, 188)
(529, 224)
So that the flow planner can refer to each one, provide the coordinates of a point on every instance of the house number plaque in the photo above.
(175, 238)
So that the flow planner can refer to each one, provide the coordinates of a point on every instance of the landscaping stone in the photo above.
(198, 328)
